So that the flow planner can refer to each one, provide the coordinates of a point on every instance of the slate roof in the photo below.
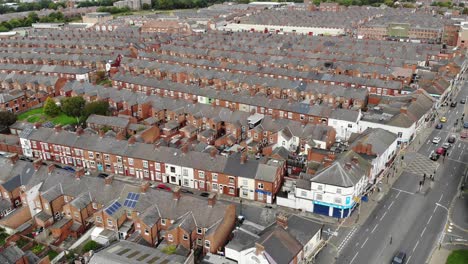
(379, 138)
(344, 172)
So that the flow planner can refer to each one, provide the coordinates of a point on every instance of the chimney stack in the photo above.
(176, 193)
(185, 148)
(37, 164)
(213, 153)
(120, 136)
(132, 140)
(282, 220)
(355, 160)
(79, 173)
(79, 131)
(259, 249)
(50, 168)
(101, 133)
(211, 199)
(108, 180)
(14, 158)
(58, 128)
(144, 186)
(243, 158)
(404, 109)
(37, 125)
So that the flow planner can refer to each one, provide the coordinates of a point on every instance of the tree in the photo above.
(91, 245)
(7, 118)
(465, 11)
(97, 108)
(146, 6)
(51, 108)
(73, 106)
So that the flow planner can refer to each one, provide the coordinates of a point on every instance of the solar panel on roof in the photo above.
(132, 199)
(137, 196)
(126, 203)
(129, 195)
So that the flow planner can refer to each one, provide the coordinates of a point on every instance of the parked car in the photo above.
(443, 119)
(465, 125)
(204, 194)
(446, 145)
(103, 175)
(185, 191)
(464, 134)
(399, 258)
(451, 139)
(439, 126)
(434, 156)
(440, 151)
(462, 101)
(436, 140)
(163, 186)
(68, 168)
(453, 104)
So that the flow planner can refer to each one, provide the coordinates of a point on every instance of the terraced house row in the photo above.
(236, 175)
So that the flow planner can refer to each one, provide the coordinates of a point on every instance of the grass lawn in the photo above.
(37, 115)
(458, 257)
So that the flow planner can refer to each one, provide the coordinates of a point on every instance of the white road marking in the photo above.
(354, 258)
(391, 204)
(383, 216)
(398, 194)
(403, 191)
(364, 243)
(424, 230)
(435, 208)
(429, 220)
(415, 246)
(442, 195)
(409, 259)
(374, 228)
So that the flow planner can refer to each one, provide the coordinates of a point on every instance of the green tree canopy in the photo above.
(51, 108)
(73, 106)
(97, 107)
(7, 118)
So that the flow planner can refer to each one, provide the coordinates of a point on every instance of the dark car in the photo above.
(185, 191)
(163, 187)
(68, 168)
(434, 156)
(465, 125)
(204, 194)
(399, 258)
(453, 104)
(451, 139)
(103, 175)
(439, 126)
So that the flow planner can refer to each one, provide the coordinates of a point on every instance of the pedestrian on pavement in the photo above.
(391, 238)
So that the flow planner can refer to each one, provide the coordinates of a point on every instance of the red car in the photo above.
(162, 186)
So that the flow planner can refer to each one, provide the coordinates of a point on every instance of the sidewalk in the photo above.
(440, 256)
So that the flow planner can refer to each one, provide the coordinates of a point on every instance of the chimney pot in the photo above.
(176, 193)
(211, 199)
(14, 158)
(37, 164)
(79, 131)
(108, 180)
(50, 168)
(144, 186)
(282, 220)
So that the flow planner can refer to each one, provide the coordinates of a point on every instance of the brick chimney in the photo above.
(79, 131)
(355, 160)
(50, 168)
(13, 159)
(176, 193)
(211, 199)
(79, 173)
(282, 220)
(101, 133)
(37, 125)
(404, 109)
(213, 153)
(58, 128)
(120, 136)
(185, 149)
(259, 249)
(132, 140)
(243, 158)
(37, 163)
(108, 180)
(144, 186)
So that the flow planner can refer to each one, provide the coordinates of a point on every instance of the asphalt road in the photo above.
(408, 219)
